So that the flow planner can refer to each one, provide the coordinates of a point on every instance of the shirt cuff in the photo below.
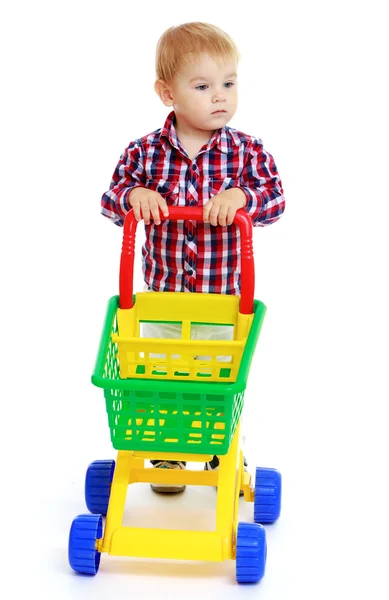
(253, 202)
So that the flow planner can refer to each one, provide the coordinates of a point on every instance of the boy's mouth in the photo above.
(216, 112)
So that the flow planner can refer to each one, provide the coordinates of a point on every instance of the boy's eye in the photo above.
(201, 87)
(229, 84)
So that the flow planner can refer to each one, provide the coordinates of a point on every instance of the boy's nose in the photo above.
(218, 97)
(219, 94)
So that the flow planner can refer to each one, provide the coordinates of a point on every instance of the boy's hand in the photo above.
(221, 208)
(146, 203)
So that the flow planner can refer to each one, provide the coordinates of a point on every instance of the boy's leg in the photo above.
(215, 332)
(166, 331)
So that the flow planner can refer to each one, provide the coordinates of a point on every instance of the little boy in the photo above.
(194, 160)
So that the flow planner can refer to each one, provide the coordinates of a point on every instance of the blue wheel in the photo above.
(98, 486)
(83, 556)
(251, 553)
(267, 500)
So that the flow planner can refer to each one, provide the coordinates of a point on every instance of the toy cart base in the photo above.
(187, 545)
(245, 543)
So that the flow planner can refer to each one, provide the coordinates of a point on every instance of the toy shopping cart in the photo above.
(177, 399)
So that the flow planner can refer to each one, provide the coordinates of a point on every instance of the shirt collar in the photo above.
(225, 138)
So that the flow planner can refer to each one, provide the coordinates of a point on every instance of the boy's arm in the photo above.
(262, 186)
(129, 174)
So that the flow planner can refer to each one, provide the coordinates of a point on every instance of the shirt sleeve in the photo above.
(262, 185)
(129, 173)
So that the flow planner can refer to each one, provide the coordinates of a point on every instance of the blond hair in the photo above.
(177, 44)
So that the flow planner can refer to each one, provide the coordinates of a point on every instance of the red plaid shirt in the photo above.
(186, 255)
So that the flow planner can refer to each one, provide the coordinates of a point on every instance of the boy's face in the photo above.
(204, 93)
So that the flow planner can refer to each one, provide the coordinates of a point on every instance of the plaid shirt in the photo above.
(186, 255)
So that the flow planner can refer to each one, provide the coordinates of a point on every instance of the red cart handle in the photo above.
(242, 220)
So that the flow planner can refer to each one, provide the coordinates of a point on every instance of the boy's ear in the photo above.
(164, 91)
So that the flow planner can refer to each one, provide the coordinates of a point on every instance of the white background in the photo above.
(77, 88)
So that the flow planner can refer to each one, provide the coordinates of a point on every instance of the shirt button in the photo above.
(190, 236)
(192, 202)
(190, 272)
(194, 166)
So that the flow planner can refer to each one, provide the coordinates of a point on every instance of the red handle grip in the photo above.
(242, 220)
